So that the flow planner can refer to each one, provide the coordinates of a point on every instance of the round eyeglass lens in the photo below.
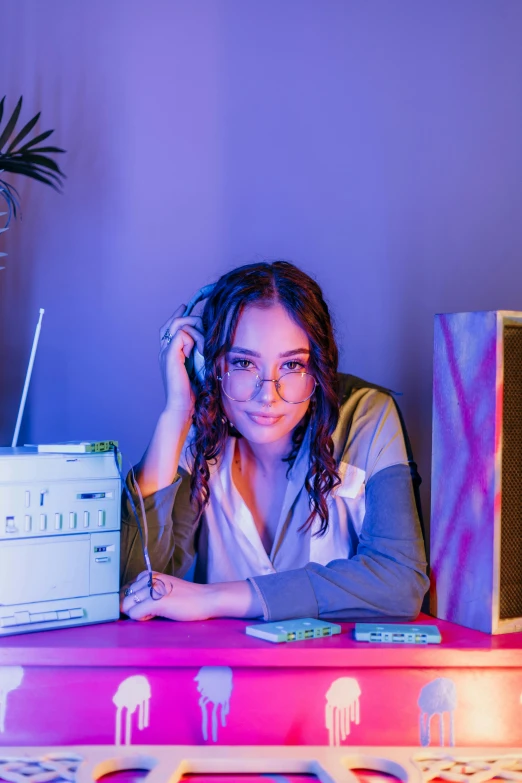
(296, 386)
(240, 385)
(243, 385)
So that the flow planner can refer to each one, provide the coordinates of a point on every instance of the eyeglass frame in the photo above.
(260, 381)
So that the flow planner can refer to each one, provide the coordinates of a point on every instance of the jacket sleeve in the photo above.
(171, 530)
(386, 576)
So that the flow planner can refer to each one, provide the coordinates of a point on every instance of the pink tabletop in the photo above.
(160, 643)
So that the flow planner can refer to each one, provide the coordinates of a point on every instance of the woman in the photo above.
(293, 484)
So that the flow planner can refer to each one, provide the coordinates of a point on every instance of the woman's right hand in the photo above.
(186, 333)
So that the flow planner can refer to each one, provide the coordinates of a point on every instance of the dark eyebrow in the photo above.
(248, 352)
(294, 352)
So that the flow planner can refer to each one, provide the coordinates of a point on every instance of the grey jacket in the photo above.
(386, 576)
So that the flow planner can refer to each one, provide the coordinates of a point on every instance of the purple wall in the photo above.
(376, 144)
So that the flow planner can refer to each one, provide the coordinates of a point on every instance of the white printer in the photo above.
(59, 539)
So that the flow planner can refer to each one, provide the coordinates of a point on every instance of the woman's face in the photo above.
(268, 342)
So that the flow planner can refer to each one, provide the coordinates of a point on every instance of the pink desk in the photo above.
(162, 682)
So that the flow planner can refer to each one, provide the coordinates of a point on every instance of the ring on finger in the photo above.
(137, 599)
(167, 337)
(128, 591)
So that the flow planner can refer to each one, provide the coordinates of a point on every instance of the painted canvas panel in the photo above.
(463, 467)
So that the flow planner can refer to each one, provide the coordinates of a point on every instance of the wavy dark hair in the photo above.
(264, 284)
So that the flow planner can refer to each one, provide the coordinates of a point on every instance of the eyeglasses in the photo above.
(243, 385)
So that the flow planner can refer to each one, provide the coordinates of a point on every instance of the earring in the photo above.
(233, 431)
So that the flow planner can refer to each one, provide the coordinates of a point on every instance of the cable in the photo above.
(157, 587)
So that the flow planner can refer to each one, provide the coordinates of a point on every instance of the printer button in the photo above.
(43, 521)
(5, 622)
(10, 525)
(64, 614)
(76, 613)
(50, 616)
(101, 518)
(57, 521)
(22, 618)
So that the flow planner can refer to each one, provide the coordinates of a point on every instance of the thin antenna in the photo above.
(27, 378)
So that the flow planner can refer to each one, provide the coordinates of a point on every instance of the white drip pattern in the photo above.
(10, 679)
(132, 694)
(342, 708)
(215, 685)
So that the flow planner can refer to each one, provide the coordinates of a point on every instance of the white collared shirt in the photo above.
(235, 549)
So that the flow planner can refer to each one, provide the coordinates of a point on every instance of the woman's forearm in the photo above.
(233, 599)
(159, 464)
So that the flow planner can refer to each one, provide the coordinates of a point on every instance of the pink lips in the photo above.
(263, 419)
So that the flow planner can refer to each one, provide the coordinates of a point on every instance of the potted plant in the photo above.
(21, 156)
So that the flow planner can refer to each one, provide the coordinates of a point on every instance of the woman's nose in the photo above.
(268, 393)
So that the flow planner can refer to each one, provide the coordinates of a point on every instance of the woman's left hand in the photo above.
(180, 600)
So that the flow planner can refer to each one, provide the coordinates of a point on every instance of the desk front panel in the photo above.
(266, 706)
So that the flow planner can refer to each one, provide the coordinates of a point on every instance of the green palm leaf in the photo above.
(28, 170)
(9, 128)
(28, 160)
(43, 160)
(36, 140)
(47, 149)
(23, 133)
(42, 177)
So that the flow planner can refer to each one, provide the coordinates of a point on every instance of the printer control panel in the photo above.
(59, 509)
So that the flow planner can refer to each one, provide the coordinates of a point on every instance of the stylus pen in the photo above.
(27, 378)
